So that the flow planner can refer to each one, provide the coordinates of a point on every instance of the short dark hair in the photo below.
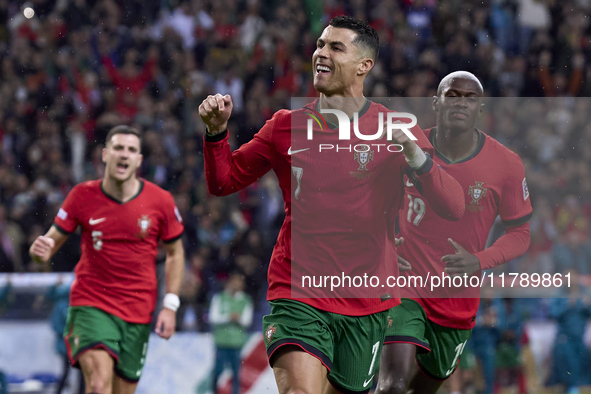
(123, 129)
(366, 35)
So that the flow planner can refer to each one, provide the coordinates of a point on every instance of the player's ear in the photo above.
(104, 155)
(365, 65)
(141, 158)
(435, 103)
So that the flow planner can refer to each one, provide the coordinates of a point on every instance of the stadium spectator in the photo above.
(570, 355)
(230, 316)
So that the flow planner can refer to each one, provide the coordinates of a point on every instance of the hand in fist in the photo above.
(41, 249)
(409, 146)
(215, 112)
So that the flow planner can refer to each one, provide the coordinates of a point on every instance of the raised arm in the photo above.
(227, 172)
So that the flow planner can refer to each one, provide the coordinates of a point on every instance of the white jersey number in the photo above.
(416, 206)
(97, 242)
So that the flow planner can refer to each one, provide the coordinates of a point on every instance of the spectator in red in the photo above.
(130, 81)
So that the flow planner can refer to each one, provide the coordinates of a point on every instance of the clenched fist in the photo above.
(41, 249)
(215, 112)
(400, 137)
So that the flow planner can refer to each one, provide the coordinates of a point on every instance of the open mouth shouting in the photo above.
(122, 168)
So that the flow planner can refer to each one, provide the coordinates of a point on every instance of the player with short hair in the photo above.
(434, 331)
(114, 295)
(340, 207)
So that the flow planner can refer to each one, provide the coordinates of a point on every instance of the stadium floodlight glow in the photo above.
(29, 12)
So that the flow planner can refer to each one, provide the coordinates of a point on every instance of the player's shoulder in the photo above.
(87, 187)
(153, 189)
(503, 154)
(290, 119)
(378, 107)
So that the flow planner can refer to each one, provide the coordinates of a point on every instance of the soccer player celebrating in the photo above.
(114, 295)
(434, 331)
(340, 206)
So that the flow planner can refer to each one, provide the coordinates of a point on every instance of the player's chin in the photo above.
(320, 85)
(123, 177)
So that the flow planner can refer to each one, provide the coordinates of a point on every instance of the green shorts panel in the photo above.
(91, 328)
(407, 323)
(348, 346)
(410, 325)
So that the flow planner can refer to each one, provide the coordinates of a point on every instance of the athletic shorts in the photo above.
(91, 328)
(438, 348)
(348, 346)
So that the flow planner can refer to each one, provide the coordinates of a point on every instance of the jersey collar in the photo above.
(475, 152)
(119, 201)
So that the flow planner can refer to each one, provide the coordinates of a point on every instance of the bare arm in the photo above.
(174, 268)
(45, 246)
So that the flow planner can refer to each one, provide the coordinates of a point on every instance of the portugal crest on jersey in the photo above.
(477, 191)
(144, 224)
(363, 159)
(271, 330)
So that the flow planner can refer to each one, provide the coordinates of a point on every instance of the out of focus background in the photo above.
(73, 69)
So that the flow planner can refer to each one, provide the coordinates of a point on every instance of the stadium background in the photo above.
(79, 67)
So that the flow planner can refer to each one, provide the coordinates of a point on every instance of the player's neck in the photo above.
(456, 144)
(347, 104)
(122, 191)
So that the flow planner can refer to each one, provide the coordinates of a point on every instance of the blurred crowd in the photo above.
(79, 67)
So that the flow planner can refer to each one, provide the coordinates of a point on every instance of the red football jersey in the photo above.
(117, 271)
(340, 204)
(493, 179)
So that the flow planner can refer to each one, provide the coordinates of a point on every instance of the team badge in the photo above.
(76, 341)
(363, 159)
(270, 332)
(144, 224)
(477, 191)
(390, 322)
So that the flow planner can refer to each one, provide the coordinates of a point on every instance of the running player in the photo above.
(114, 295)
(340, 207)
(434, 331)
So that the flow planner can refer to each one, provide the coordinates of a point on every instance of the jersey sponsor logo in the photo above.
(271, 330)
(144, 224)
(93, 222)
(525, 190)
(62, 214)
(476, 192)
(368, 381)
(363, 158)
(293, 152)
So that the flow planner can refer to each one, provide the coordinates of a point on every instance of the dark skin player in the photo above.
(458, 104)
